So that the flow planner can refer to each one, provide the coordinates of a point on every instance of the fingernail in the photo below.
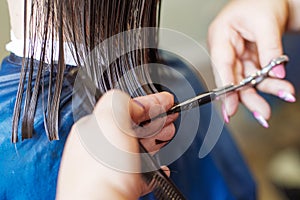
(261, 119)
(278, 71)
(286, 96)
(225, 115)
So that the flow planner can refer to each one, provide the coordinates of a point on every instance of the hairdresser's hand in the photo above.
(244, 37)
(160, 131)
(86, 175)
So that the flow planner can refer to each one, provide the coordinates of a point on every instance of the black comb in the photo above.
(156, 178)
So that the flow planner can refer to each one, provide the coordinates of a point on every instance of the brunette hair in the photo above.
(79, 26)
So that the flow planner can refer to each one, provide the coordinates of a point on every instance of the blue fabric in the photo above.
(29, 169)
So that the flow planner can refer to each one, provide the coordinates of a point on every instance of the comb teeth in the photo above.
(156, 178)
(164, 189)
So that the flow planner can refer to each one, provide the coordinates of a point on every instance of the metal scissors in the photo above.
(214, 94)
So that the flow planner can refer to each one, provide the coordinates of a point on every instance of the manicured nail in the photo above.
(261, 119)
(286, 96)
(278, 71)
(225, 115)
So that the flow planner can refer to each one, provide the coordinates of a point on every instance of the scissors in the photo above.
(214, 94)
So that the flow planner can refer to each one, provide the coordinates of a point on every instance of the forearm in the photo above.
(294, 15)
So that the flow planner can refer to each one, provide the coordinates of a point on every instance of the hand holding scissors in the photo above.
(214, 94)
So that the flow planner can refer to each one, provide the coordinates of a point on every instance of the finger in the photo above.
(277, 87)
(257, 105)
(150, 129)
(230, 106)
(269, 45)
(250, 54)
(231, 101)
(165, 99)
(223, 58)
(156, 142)
(166, 170)
(280, 88)
(154, 104)
(154, 127)
(251, 99)
(171, 118)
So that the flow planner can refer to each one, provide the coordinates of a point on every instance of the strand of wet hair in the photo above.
(84, 28)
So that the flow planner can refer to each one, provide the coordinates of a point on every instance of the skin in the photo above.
(245, 36)
(82, 177)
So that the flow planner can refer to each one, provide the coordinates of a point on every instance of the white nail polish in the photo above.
(286, 96)
(261, 119)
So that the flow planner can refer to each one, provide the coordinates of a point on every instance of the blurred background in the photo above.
(4, 31)
(272, 154)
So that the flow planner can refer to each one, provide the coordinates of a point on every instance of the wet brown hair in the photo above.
(83, 24)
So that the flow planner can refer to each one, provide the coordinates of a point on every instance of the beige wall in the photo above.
(4, 28)
(189, 16)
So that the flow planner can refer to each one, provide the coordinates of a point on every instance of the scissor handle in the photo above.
(212, 95)
(275, 62)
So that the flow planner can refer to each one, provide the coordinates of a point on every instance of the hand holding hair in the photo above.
(81, 176)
